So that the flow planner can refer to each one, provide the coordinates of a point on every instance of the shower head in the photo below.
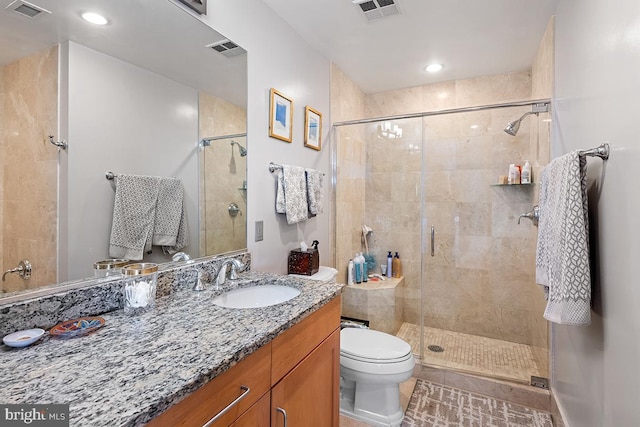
(243, 151)
(513, 127)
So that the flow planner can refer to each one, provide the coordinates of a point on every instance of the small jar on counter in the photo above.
(109, 267)
(139, 287)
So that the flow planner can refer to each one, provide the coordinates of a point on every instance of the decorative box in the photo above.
(304, 262)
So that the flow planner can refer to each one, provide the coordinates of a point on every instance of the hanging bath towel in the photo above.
(134, 213)
(314, 191)
(170, 229)
(562, 254)
(291, 194)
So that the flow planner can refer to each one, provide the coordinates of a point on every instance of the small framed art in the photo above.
(280, 116)
(312, 128)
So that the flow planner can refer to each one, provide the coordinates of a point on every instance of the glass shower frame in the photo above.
(476, 128)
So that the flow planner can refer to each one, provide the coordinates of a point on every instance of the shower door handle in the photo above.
(433, 240)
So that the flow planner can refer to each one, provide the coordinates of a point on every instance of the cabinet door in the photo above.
(257, 415)
(309, 394)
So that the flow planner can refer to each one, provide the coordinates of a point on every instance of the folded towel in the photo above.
(134, 212)
(314, 191)
(291, 194)
(170, 229)
(562, 253)
(147, 211)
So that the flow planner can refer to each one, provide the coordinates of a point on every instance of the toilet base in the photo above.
(375, 404)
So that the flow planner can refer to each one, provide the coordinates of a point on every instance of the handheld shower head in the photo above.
(243, 151)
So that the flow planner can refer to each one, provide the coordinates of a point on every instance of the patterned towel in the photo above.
(291, 194)
(315, 192)
(148, 210)
(134, 213)
(562, 254)
(170, 228)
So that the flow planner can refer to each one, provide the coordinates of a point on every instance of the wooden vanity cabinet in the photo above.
(297, 373)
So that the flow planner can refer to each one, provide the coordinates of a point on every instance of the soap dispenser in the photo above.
(396, 267)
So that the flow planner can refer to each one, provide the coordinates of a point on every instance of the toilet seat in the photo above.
(374, 352)
(372, 346)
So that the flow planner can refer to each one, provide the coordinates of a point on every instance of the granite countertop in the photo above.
(134, 368)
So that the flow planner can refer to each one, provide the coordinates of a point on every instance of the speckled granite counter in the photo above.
(134, 368)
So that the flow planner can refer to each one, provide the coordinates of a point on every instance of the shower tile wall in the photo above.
(223, 166)
(28, 177)
(347, 103)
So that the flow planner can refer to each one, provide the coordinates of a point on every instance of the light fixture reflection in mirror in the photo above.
(30, 213)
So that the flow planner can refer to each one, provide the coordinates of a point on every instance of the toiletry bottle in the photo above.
(518, 174)
(396, 267)
(512, 174)
(365, 277)
(389, 264)
(350, 272)
(525, 178)
(358, 268)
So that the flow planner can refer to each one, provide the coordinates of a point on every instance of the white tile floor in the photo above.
(473, 354)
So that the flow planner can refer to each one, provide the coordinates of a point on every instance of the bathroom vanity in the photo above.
(188, 360)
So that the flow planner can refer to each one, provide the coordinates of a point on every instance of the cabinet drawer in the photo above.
(298, 341)
(258, 415)
(249, 378)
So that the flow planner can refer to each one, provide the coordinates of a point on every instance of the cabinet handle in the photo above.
(433, 240)
(245, 391)
(284, 414)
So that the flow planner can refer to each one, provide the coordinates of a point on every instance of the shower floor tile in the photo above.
(473, 354)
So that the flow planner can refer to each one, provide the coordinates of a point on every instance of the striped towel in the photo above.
(562, 253)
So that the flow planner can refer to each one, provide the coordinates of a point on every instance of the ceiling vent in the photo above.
(377, 9)
(227, 48)
(27, 9)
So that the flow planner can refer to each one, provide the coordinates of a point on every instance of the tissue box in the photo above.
(304, 262)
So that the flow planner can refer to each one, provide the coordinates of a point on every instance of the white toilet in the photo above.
(372, 366)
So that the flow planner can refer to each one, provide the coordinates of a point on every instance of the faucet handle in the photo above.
(235, 266)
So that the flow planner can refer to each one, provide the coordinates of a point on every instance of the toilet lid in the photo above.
(375, 346)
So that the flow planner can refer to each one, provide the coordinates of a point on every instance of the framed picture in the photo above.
(312, 128)
(199, 6)
(280, 116)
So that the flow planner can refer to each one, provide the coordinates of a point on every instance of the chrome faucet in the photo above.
(222, 272)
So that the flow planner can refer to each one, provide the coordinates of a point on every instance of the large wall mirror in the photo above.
(154, 91)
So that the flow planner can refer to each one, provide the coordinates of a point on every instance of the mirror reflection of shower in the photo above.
(243, 151)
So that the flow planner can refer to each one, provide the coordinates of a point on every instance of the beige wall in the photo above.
(481, 279)
(223, 175)
(29, 167)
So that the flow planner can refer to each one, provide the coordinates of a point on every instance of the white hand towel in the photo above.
(292, 194)
(133, 215)
(562, 254)
(314, 191)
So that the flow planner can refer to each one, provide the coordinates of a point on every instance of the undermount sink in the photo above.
(256, 296)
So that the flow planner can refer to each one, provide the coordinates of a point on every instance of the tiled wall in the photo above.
(223, 173)
(29, 167)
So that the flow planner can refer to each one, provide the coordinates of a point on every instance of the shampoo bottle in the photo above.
(525, 177)
(358, 268)
(365, 277)
(389, 264)
(350, 273)
(396, 266)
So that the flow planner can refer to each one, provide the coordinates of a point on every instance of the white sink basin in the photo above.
(256, 296)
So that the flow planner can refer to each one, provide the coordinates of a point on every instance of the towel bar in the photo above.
(110, 175)
(602, 151)
(274, 167)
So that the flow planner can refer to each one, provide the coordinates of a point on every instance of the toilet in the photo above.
(372, 366)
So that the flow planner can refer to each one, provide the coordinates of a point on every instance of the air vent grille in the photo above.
(377, 9)
(27, 9)
(227, 48)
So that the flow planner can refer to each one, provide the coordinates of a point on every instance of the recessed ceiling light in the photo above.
(434, 68)
(94, 18)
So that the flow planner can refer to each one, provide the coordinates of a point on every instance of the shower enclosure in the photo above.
(428, 187)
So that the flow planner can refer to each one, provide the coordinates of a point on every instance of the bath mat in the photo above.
(436, 405)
